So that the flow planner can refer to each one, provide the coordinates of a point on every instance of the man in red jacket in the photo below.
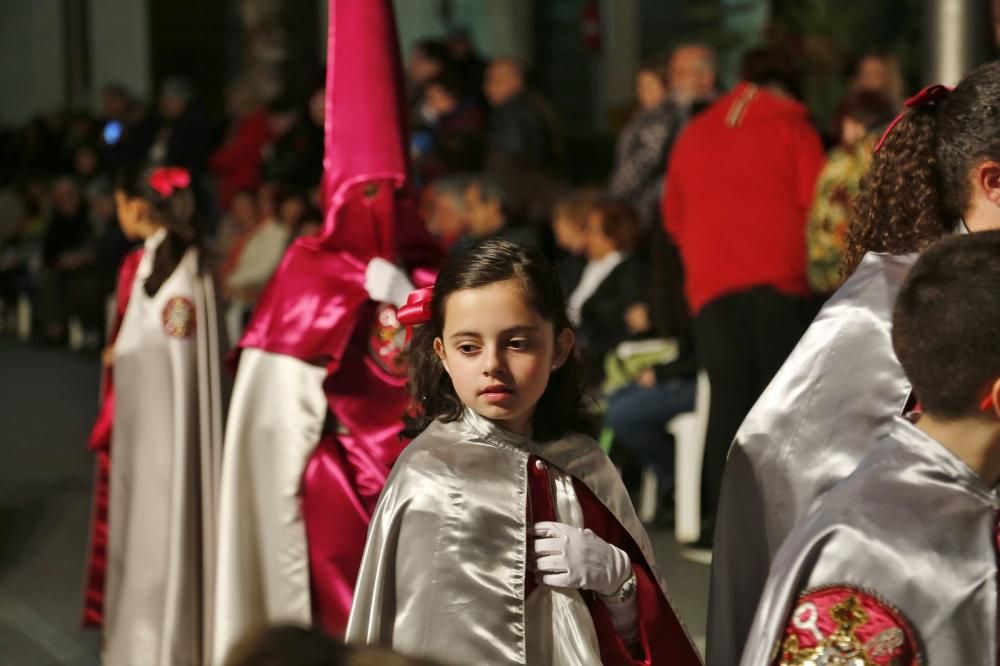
(738, 190)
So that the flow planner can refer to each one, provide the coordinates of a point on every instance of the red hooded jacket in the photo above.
(738, 190)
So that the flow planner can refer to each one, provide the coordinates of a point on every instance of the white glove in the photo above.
(570, 557)
(386, 282)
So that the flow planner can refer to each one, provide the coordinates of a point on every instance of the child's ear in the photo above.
(563, 348)
(439, 350)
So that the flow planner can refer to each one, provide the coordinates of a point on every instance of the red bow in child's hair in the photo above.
(167, 179)
(418, 307)
(928, 95)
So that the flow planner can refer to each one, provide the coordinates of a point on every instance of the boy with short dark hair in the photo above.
(897, 564)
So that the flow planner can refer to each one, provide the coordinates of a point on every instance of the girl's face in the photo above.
(133, 216)
(499, 352)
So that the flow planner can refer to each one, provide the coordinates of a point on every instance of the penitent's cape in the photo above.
(444, 570)
(896, 566)
(832, 399)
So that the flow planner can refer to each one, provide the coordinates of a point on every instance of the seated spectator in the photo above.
(488, 216)
(69, 284)
(606, 304)
(465, 61)
(294, 157)
(237, 162)
(16, 251)
(879, 72)
(453, 141)
(235, 228)
(183, 137)
(569, 228)
(260, 255)
(523, 143)
(864, 114)
(127, 130)
(110, 243)
(428, 58)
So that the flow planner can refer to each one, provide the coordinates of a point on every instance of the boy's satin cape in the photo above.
(832, 399)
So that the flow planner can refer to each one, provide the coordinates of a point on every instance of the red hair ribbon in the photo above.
(417, 309)
(987, 404)
(928, 95)
(167, 179)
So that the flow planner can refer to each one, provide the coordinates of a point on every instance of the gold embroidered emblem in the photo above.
(178, 317)
(852, 640)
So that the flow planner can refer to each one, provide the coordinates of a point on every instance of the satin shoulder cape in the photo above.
(165, 445)
(913, 533)
(443, 570)
(835, 395)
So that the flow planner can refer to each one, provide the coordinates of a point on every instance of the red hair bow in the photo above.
(167, 179)
(418, 307)
(928, 95)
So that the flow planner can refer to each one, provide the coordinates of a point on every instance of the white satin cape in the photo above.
(165, 458)
(275, 421)
(443, 571)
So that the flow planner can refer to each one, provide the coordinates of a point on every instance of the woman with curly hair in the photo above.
(935, 172)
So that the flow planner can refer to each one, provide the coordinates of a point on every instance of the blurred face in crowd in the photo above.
(102, 207)
(422, 68)
(440, 100)
(267, 197)
(114, 104)
(851, 131)
(570, 235)
(503, 80)
(650, 89)
(873, 73)
(243, 210)
(317, 105)
(66, 197)
(85, 161)
(692, 74)
(447, 218)
(292, 210)
(172, 105)
(484, 215)
(281, 122)
(599, 244)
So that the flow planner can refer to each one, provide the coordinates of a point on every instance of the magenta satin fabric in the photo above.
(315, 308)
(100, 443)
(345, 476)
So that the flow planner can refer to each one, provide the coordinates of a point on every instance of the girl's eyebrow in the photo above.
(523, 328)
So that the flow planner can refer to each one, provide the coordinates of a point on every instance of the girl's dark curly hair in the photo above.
(561, 409)
(918, 186)
(177, 212)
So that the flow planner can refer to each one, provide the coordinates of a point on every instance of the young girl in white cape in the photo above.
(504, 534)
(166, 433)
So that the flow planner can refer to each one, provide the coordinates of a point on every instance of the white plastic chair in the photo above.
(689, 430)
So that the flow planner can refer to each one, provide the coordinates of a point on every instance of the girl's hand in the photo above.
(567, 556)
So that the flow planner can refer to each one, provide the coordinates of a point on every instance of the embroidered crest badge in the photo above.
(178, 317)
(841, 625)
(388, 341)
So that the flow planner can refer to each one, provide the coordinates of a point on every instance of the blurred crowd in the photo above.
(722, 220)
